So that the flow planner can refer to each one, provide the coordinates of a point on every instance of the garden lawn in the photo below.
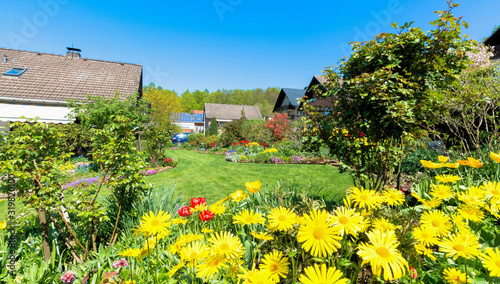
(210, 176)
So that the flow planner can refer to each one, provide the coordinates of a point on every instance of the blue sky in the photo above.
(217, 44)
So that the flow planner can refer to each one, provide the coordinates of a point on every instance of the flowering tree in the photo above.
(278, 125)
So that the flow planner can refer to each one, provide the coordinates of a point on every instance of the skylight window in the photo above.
(15, 71)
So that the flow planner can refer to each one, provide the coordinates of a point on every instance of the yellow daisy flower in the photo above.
(441, 191)
(464, 245)
(491, 261)
(281, 219)
(207, 231)
(193, 253)
(432, 203)
(318, 235)
(224, 243)
(175, 268)
(262, 236)
(454, 276)
(349, 221)
(3, 225)
(452, 165)
(492, 190)
(425, 236)
(131, 252)
(238, 196)
(321, 274)
(473, 196)
(383, 253)
(210, 267)
(393, 197)
(218, 208)
(275, 263)
(447, 178)
(437, 221)
(383, 225)
(423, 250)
(365, 198)
(199, 208)
(471, 212)
(152, 224)
(246, 217)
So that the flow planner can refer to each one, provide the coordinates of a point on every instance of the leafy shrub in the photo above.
(411, 163)
(232, 132)
(256, 130)
(169, 144)
(185, 145)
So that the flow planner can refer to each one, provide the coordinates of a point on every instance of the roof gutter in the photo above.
(31, 101)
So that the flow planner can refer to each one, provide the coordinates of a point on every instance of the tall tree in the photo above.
(165, 104)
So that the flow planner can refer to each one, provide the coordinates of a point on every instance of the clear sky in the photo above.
(215, 44)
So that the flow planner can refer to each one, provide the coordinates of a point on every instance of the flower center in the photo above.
(224, 246)
(273, 267)
(364, 197)
(459, 247)
(319, 233)
(383, 252)
(436, 223)
(281, 218)
(425, 235)
(495, 191)
(249, 219)
(343, 220)
(497, 263)
(155, 223)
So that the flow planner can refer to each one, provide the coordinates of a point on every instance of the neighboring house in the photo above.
(190, 122)
(227, 113)
(288, 102)
(494, 41)
(318, 85)
(34, 84)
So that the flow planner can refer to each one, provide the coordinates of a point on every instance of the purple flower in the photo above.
(275, 160)
(174, 148)
(230, 152)
(82, 182)
(148, 172)
(295, 159)
(68, 277)
(120, 263)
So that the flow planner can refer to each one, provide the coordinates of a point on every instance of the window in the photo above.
(15, 71)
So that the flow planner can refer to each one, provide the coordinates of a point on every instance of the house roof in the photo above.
(51, 77)
(187, 117)
(231, 112)
(494, 39)
(293, 96)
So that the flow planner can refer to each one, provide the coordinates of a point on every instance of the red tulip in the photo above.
(196, 201)
(413, 273)
(184, 211)
(206, 215)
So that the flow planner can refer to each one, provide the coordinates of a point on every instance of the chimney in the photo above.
(73, 52)
(5, 58)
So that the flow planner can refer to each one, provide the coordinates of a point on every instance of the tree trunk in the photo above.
(44, 230)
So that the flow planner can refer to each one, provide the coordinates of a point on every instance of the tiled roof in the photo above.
(187, 117)
(59, 78)
(231, 112)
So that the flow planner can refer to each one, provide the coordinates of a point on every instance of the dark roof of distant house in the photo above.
(494, 39)
(231, 112)
(187, 117)
(55, 77)
(293, 96)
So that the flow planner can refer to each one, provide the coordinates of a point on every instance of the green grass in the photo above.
(210, 176)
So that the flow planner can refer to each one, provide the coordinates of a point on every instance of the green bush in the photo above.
(169, 144)
(255, 130)
(185, 145)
